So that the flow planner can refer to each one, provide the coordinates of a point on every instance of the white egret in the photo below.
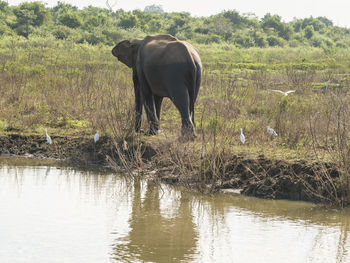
(271, 131)
(125, 145)
(242, 137)
(96, 137)
(285, 93)
(48, 138)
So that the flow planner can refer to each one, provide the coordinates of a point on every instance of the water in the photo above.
(55, 214)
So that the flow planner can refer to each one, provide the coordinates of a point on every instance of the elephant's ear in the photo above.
(126, 51)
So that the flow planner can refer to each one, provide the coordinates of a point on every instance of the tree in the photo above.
(3, 6)
(63, 7)
(325, 21)
(154, 25)
(283, 30)
(128, 20)
(274, 41)
(297, 25)
(315, 23)
(221, 26)
(25, 20)
(70, 19)
(3, 12)
(259, 39)
(31, 13)
(236, 19)
(98, 19)
(177, 23)
(154, 9)
(309, 31)
(28, 15)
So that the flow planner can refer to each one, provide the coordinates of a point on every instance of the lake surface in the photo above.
(56, 214)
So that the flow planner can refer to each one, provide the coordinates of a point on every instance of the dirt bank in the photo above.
(260, 177)
(276, 179)
(75, 150)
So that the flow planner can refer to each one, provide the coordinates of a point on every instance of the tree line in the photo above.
(95, 25)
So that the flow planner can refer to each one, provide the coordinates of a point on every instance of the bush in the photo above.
(94, 38)
(128, 20)
(70, 19)
(62, 32)
(31, 13)
(275, 41)
(6, 30)
(309, 31)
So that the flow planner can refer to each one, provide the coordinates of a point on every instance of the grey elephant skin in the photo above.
(162, 66)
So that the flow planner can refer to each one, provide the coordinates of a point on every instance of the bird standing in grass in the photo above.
(271, 131)
(242, 137)
(285, 93)
(125, 145)
(96, 137)
(48, 138)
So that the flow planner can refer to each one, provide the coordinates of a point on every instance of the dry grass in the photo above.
(77, 89)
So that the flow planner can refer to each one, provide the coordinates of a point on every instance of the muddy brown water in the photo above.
(51, 213)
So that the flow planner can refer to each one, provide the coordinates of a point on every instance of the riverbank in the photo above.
(73, 150)
(256, 176)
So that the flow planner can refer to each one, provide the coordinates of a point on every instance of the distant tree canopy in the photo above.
(103, 25)
(29, 15)
(153, 9)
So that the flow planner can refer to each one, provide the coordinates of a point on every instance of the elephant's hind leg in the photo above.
(158, 104)
(182, 102)
(149, 103)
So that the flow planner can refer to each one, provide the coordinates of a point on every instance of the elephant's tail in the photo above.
(194, 92)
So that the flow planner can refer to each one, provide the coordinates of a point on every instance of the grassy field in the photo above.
(76, 89)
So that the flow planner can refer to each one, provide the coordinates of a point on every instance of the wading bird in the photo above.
(48, 138)
(242, 137)
(285, 93)
(125, 145)
(271, 131)
(96, 137)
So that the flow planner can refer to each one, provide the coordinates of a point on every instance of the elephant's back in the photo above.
(167, 62)
(166, 49)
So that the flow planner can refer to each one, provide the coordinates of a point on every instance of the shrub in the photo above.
(275, 41)
(70, 19)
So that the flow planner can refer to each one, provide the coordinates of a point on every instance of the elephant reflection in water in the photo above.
(153, 238)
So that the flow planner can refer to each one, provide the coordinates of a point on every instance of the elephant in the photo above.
(162, 66)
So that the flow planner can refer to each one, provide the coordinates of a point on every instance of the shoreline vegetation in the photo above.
(73, 86)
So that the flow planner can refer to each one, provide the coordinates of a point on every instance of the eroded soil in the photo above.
(260, 177)
(76, 150)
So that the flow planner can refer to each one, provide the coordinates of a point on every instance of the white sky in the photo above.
(336, 10)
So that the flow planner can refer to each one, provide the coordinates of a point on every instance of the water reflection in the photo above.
(154, 237)
(57, 214)
(252, 230)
